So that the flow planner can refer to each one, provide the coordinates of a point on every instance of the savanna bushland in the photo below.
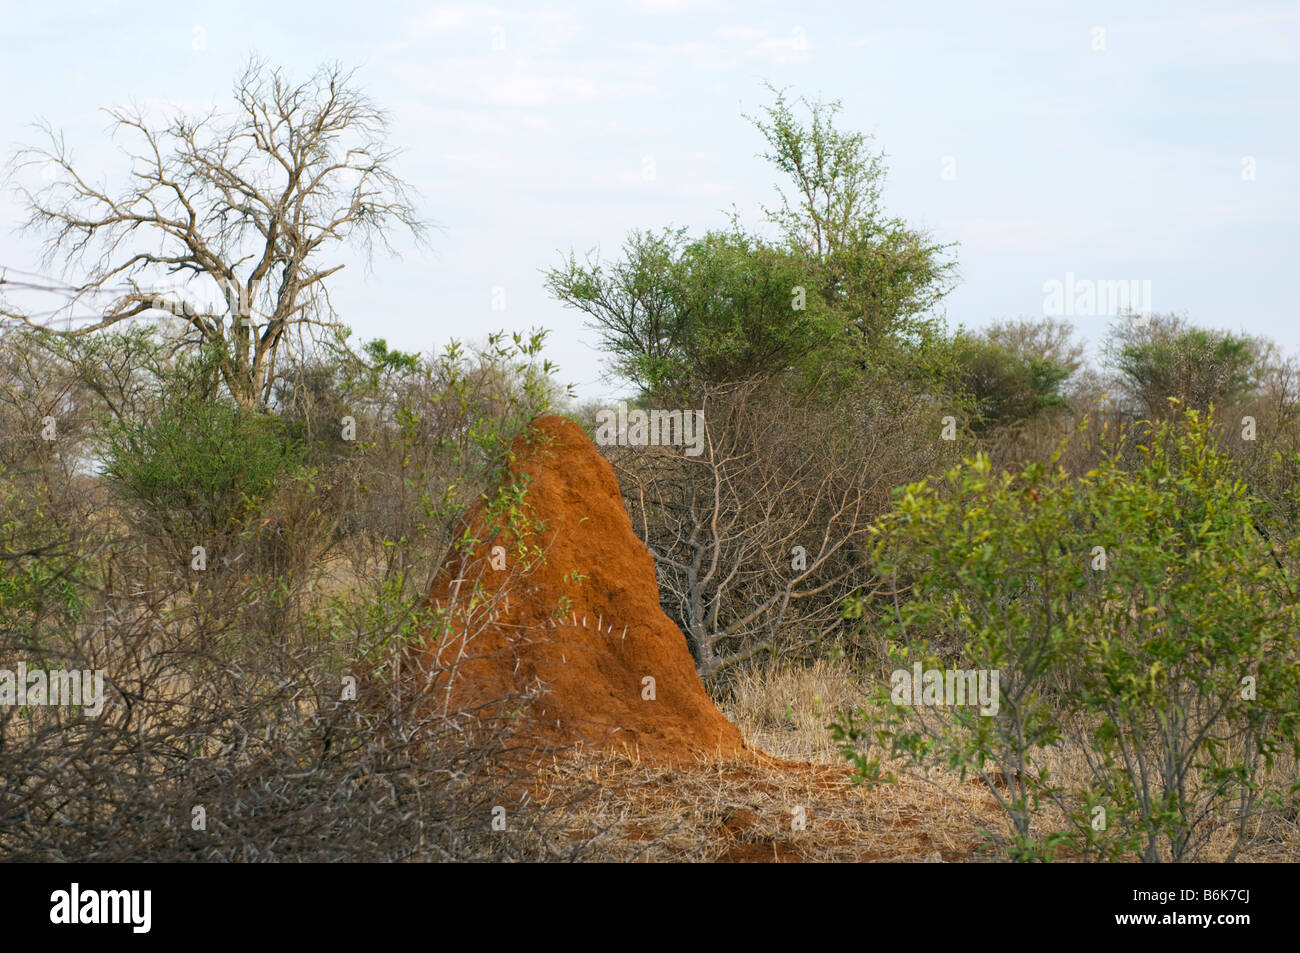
(220, 497)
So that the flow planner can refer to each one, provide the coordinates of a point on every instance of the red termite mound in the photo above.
(584, 621)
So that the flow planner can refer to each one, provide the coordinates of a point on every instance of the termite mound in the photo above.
(580, 622)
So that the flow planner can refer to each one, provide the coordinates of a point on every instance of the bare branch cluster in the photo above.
(226, 221)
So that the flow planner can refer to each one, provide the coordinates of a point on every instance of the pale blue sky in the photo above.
(526, 127)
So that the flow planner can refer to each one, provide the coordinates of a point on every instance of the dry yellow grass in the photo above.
(747, 810)
(761, 812)
(785, 712)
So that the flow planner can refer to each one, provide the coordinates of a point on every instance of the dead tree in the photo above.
(243, 208)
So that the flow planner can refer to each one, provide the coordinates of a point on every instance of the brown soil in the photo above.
(583, 622)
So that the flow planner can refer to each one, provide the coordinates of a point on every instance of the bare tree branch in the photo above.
(241, 208)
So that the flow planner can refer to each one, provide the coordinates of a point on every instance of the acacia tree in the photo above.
(248, 205)
(1167, 357)
(679, 314)
(883, 273)
(842, 285)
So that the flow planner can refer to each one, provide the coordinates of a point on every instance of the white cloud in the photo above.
(523, 82)
(483, 160)
(777, 49)
(500, 30)
(691, 55)
(1003, 234)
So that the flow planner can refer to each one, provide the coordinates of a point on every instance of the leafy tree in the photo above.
(882, 273)
(844, 287)
(677, 313)
(1167, 358)
(1006, 387)
(198, 467)
(1047, 339)
(42, 575)
(385, 360)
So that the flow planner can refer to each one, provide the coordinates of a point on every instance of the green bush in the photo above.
(1006, 388)
(199, 466)
(1167, 358)
(42, 575)
(1139, 620)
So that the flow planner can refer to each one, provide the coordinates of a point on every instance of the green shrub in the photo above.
(1006, 388)
(199, 466)
(1137, 616)
(1167, 358)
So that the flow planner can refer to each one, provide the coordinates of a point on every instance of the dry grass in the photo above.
(749, 811)
(785, 711)
(744, 811)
